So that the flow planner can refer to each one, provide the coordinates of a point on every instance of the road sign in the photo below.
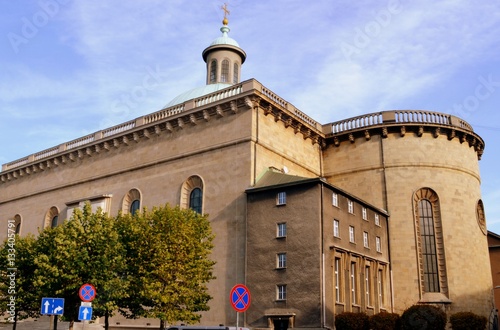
(240, 298)
(87, 292)
(85, 313)
(52, 306)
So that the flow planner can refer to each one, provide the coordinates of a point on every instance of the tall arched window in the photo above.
(481, 219)
(132, 201)
(51, 218)
(224, 75)
(192, 194)
(17, 222)
(235, 73)
(195, 200)
(428, 227)
(213, 71)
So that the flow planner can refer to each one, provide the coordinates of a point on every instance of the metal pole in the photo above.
(237, 319)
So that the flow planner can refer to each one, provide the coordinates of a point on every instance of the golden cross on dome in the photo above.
(226, 11)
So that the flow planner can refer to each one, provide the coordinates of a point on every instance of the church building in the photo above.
(367, 214)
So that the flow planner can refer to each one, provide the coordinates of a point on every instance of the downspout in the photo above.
(386, 199)
(323, 286)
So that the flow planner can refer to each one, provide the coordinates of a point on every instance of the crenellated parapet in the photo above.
(403, 122)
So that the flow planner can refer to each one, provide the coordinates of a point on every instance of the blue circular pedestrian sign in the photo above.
(240, 298)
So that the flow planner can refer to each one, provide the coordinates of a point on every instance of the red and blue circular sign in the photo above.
(87, 292)
(240, 298)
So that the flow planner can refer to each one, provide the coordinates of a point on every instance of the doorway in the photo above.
(280, 324)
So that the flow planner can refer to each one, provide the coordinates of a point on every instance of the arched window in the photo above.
(132, 201)
(213, 71)
(224, 75)
(51, 218)
(54, 221)
(195, 200)
(135, 206)
(235, 73)
(192, 194)
(17, 222)
(481, 218)
(432, 262)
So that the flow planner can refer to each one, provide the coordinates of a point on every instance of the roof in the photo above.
(273, 178)
(195, 93)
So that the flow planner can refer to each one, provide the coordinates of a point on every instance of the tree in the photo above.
(168, 263)
(85, 249)
(19, 298)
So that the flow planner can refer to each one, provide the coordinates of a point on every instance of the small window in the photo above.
(281, 198)
(213, 71)
(135, 206)
(224, 75)
(364, 212)
(281, 260)
(377, 220)
(351, 234)
(195, 200)
(335, 199)
(366, 243)
(281, 230)
(350, 207)
(235, 74)
(378, 244)
(281, 292)
(336, 231)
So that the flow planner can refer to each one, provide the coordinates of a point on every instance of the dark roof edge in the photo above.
(319, 181)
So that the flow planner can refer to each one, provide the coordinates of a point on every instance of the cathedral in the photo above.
(367, 214)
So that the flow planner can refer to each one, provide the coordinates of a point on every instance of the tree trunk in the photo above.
(14, 326)
(162, 325)
(106, 320)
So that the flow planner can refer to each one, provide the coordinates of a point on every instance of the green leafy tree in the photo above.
(169, 267)
(85, 249)
(19, 298)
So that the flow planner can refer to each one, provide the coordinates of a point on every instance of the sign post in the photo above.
(87, 293)
(240, 300)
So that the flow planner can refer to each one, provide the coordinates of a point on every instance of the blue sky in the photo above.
(72, 67)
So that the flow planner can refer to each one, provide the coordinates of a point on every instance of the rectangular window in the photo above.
(281, 230)
(365, 213)
(366, 243)
(281, 292)
(351, 234)
(353, 284)
(380, 284)
(281, 260)
(335, 199)
(281, 198)
(377, 220)
(337, 280)
(368, 287)
(378, 244)
(350, 207)
(336, 231)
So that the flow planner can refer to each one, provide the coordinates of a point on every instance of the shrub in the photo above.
(423, 317)
(385, 321)
(467, 321)
(352, 321)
